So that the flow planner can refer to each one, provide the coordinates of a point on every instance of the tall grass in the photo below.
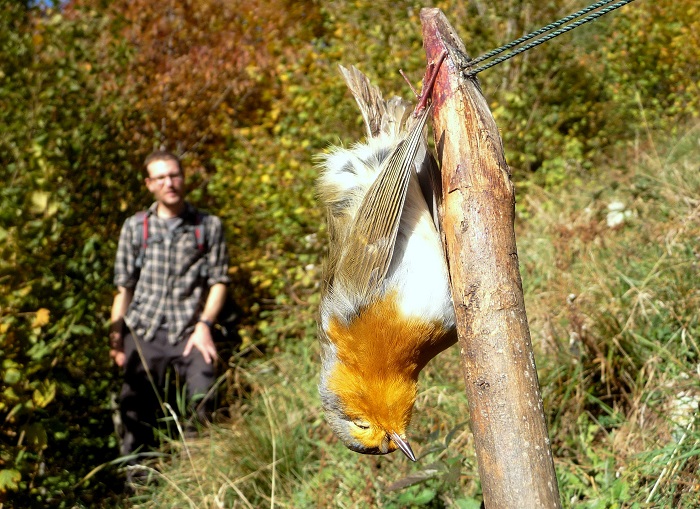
(611, 271)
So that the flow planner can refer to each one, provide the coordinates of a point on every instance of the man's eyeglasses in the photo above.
(159, 181)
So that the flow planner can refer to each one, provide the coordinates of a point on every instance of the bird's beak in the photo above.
(403, 445)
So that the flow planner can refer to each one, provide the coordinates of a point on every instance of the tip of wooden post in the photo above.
(439, 35)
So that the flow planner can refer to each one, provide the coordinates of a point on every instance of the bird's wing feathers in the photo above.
(370, 244)
(361, 252)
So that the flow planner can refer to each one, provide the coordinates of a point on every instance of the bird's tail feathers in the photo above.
(380, 116)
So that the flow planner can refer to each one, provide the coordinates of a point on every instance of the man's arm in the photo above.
(201, 338)
(116, 328)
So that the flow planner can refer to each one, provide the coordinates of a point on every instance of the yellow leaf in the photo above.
(40, 200)
(44, 395)
(41, 318)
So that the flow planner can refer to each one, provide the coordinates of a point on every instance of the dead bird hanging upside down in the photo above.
(386, 308)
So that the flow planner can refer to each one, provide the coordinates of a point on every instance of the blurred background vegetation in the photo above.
(601, 128)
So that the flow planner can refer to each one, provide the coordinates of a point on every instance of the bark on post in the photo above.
(510, 432)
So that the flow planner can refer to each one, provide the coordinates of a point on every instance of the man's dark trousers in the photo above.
(139, 405)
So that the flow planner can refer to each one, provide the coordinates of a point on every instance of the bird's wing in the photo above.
(390, 117)
(370, 245)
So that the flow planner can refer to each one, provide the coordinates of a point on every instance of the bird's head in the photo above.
(370, 413)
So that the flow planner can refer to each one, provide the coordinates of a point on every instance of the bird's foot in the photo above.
(431, 72)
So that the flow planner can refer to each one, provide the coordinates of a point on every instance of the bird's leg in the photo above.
(431, 72)
(403, 75)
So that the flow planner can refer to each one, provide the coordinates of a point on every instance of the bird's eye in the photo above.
(361, 424)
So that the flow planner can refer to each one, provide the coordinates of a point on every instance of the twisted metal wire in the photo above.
(541, 31)
(546, 38)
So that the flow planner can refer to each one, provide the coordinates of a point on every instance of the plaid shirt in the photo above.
(172, 285)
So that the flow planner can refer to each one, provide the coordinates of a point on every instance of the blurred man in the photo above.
(171, 275)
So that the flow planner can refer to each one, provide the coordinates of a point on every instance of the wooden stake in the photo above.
(477, 215)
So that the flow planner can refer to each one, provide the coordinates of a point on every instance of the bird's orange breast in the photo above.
(382, 339)
(380, 354)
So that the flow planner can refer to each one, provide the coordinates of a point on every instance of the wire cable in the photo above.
(537, 42)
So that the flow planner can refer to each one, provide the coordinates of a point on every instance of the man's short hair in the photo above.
(161, 155)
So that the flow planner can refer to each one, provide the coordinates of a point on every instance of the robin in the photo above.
(386, 308)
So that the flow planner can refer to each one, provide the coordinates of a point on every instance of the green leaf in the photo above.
(450, 436)
(35, 436)
(430, 472)
(467, 503)
(44, 394)
(422, 497)
(39, 351)
(9, 480)
(12, 376)
(80, 329)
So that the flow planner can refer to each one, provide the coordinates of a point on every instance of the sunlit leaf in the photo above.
(12, 376)
(39, 200)
(41, 318)
(9, 480)
(44, 395)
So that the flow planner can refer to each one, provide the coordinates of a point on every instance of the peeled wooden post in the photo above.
(505, 404)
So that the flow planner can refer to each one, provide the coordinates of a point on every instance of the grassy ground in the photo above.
(611, 270)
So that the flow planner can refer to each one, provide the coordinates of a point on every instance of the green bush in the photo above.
(58, 226)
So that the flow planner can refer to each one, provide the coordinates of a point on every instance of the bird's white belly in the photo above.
(418, 269)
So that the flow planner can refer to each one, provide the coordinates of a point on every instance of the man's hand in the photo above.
(116, 348)
(121, 302)
(201, 340)
(118, 356)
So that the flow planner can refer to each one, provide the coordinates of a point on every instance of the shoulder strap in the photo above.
(199, 231)
(200, 236)
(141, 240)
(142, 236)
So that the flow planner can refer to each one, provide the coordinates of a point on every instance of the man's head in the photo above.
(165, 180)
